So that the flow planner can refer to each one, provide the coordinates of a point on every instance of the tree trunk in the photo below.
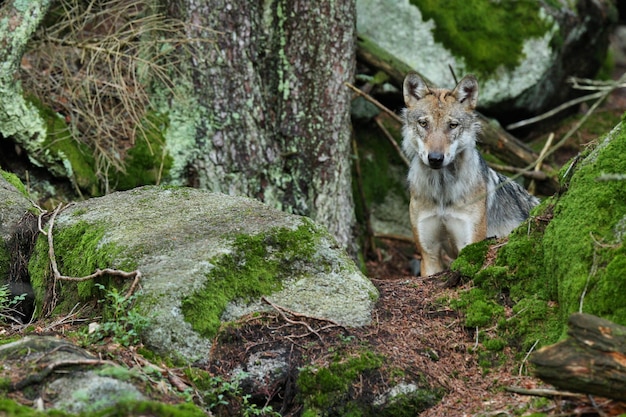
(592, 361)
(275, 111)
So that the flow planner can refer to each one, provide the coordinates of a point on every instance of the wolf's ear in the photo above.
(466, 91)
(414, 89)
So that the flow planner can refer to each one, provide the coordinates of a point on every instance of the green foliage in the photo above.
(121, 321)
(468, 29)
(225, 396)
(8, 301)
(255, 267)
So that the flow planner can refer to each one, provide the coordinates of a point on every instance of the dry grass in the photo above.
(95, 64)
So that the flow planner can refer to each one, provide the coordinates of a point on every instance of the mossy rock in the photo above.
(205, 258)
(521, 51)
(568, 256)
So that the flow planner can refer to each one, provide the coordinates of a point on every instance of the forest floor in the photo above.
(411, 322)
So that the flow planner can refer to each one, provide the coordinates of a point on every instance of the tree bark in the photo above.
(275, 122)
(592, 361)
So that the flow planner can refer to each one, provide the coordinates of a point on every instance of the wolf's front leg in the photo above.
(426, 232)
(467, 227)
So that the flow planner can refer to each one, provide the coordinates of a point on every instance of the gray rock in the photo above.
(572, 41)
(180, 239)
(13, 205)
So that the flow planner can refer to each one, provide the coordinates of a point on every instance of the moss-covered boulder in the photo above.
(205, 258)
(522, 51)
(568, 257)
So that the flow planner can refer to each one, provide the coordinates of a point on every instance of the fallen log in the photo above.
(591, 361)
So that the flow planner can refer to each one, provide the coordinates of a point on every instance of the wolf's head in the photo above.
(438, 123)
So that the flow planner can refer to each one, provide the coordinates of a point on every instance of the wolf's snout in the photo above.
(435, 160)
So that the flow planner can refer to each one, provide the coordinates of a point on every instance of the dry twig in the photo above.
(136, 274)
(284, 311)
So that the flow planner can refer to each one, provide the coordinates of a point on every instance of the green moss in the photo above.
(479, 308)
(15, 181)
(148, 162)
(587, 231)
(79, 252)
(497, 344)
(143, 408)
(471, 259)
(11, 408)
(326, 389)
(75, 157)
(256, 266)
(410, 405)
(122, 409)
(550, 268)
(331, 390)
(469, 28)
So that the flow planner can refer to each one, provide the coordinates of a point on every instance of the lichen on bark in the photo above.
(272, 109)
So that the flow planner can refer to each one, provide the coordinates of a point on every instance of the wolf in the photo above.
(456, 198)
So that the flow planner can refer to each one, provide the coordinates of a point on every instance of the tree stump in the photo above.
(591, 361)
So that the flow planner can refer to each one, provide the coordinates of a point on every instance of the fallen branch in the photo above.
(543, 392)
(136, 274)
(282, 311)
(392, 141)
(534, 175)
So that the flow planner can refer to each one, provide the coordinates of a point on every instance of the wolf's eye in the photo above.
(453, 125)
(422, 123)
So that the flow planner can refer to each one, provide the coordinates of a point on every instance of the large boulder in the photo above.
(204, 258)
(522, 52)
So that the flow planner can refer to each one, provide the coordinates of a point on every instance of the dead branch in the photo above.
(535, 175)
(284, 311)
(136, 274)
(400, 238)
(392, 141)
(554, 111)
(543, 392)
(374, 102)
(542, 155)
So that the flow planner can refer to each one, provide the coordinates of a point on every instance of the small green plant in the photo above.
(121, 322)
(8, 302)
(222, 394)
